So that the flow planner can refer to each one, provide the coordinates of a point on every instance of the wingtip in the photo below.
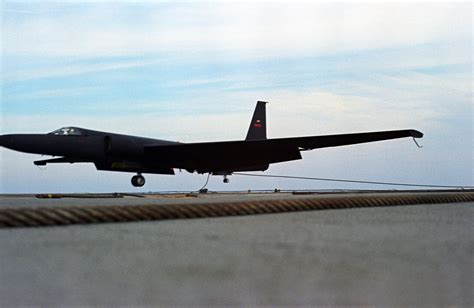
(416, 134)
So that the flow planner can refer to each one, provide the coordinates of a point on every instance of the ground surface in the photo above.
(412, 255)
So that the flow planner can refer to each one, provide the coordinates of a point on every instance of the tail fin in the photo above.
(258, 126)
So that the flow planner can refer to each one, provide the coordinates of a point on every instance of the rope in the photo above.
(60, 216)
(352, 181)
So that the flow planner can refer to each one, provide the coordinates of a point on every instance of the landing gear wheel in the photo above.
(226, 180)
(138, 180)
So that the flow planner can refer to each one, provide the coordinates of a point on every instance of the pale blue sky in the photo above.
(193, 72)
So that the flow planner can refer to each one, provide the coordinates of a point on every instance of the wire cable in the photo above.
(352, 181)
(207, 181)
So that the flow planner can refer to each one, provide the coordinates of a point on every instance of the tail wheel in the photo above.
(226, 179)
(138, 180)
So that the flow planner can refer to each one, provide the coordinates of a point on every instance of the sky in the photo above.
(191, 71)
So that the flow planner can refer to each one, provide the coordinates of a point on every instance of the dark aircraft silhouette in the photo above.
(114, 152)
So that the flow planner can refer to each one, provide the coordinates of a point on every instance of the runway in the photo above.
(410, 255)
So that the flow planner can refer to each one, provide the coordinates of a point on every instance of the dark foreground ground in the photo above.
(419, 255)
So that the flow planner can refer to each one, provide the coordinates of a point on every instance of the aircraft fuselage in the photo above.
(94, 145)
(116, 152)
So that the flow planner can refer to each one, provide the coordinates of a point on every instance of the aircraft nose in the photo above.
(28, 143)
(5, 140)
(11, 141)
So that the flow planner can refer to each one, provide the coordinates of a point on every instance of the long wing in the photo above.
(230, 155)
(316, 142)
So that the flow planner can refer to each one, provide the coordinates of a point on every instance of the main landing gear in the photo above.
(138, 180)
(226, 179)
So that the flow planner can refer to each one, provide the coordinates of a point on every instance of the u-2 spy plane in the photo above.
(115, 152)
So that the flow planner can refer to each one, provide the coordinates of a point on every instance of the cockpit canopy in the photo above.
(68, 131)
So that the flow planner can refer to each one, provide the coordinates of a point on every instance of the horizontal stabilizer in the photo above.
(60, 160)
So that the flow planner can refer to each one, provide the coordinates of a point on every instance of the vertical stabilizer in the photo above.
(258, 125)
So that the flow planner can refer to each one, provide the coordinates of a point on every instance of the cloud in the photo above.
(445, 159)
(256, 30)
(75, 69)
(409, 100)
(193, 72)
